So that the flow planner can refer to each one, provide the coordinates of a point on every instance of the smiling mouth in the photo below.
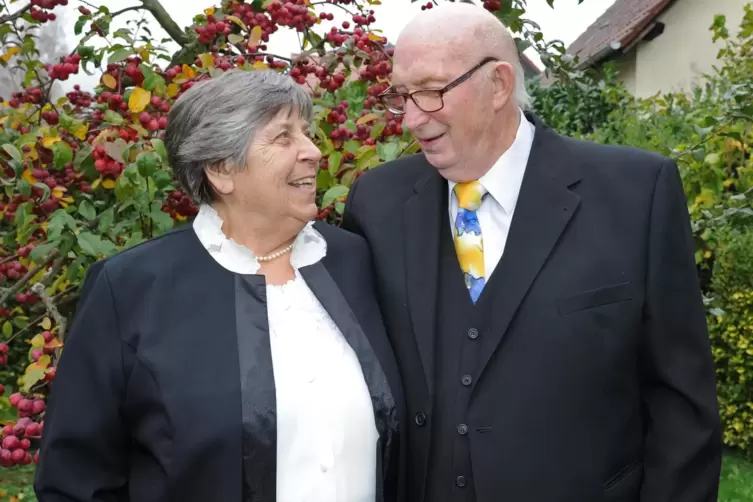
(306, 183)
(428, 141)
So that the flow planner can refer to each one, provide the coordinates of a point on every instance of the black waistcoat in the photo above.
(460, 326)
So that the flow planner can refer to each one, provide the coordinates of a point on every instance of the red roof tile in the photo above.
(622, 22)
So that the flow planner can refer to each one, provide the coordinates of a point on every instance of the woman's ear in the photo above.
(220, 178)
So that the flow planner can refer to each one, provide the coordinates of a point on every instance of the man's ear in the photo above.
(503, 79)
(220, 177)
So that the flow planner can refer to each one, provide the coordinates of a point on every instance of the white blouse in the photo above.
(326, 433)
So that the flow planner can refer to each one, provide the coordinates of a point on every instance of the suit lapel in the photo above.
(545, 206)
(421, 226)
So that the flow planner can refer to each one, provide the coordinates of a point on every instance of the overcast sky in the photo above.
(564, 22)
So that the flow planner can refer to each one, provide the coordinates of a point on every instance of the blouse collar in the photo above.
(309, 246)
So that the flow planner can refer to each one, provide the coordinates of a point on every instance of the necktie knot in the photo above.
(469, 194)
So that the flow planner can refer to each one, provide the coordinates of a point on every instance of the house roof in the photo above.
(620, 25)
(530, 65)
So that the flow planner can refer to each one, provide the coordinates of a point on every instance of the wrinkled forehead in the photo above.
(419, 63)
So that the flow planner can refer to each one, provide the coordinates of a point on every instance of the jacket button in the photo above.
(473, 333)
(467, 380)
(462, 429)
(460, 481)
(420, 418)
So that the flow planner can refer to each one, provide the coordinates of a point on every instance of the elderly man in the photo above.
(540, 292)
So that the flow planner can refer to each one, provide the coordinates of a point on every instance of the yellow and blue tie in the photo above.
(469, 243)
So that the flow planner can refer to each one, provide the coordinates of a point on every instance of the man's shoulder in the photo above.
(596, 155)
(399, 174)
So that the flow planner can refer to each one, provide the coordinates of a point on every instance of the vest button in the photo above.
(466, 380)
(462, 429)
(460, 481)
(473, 333)
(420, 418)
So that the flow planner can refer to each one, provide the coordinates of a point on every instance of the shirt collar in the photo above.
(308, 248)
(504, 178)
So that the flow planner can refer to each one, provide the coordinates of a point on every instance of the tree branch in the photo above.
(167, 23)
(40, 290)
(15, 15)
(127, 9)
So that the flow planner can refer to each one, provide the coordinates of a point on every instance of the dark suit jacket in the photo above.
(596, 380)
(165, 389)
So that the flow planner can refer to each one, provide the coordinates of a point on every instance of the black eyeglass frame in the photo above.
(383, 97)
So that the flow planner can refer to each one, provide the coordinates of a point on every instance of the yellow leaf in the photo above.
(80, 131)
(255, 35)
(11, 52)
(259, 66)
(48, 142)
(374, 37)
(69, 200)
(46, 323)
(367, 118)
(57, 192)
(96, 183)
(31, 154)
(705, 197)
(239, 22)
(207, 60)
(180, 217)
(727, 183)
(139, 99)
(109, 81)
(188, 71)
(38, 341)
(172, 90)
(108, 183)
(29, 177)
(209, 11)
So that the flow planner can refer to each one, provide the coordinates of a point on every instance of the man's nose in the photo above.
(414, 116)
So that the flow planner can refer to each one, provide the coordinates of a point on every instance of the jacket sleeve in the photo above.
(350, 221)
(83, 450)
(682, 458)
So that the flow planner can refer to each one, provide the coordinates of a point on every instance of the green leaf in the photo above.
(388, 151)
(364, 160)
(7, 329)
(61, 154)
(119, 55)
(106, 220)
(26, 139)
(42, 251)
(124, 34)
(13, 152)
(352, 146)
(377, 128)
(323, 179)
(86, 209)
(24, 188)
(113, 118)
(90, 244)
(163, 220)
(146, 162)
(78, 28)
(234, 39)
(32, 378)
(333, 162)
(159, 147)
(333, 194)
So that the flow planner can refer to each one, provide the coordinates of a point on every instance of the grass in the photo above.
(736, 482)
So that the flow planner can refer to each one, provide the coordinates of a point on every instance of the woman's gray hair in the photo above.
(213, 122)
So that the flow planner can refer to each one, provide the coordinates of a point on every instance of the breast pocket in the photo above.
(595, 298)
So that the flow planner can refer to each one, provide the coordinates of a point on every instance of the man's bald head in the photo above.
(467, 32)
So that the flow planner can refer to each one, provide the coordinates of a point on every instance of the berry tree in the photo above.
(86, 176)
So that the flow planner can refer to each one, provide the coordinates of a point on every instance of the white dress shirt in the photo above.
(326, 432)
(502, 182)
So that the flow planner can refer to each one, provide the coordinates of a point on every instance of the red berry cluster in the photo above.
(179, 204)
(338, 114)
(79, 99)
(40, 15)
(3, 361)
(84, 11)
(104, 164)
(210, 31)
(13, 270)
(64, 69)
(294, 15)
(428, 5)
(16, 439)
(491, 5)
(360, 20)
(335, 37)
(32, 95)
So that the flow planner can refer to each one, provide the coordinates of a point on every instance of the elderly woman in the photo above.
(241, 358)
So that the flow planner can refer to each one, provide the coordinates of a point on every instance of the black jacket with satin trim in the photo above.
(165, 389)
(594, 379)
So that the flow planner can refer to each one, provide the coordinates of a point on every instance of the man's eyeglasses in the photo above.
(429, 100)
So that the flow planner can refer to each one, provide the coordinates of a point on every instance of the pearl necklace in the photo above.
(276, 254)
